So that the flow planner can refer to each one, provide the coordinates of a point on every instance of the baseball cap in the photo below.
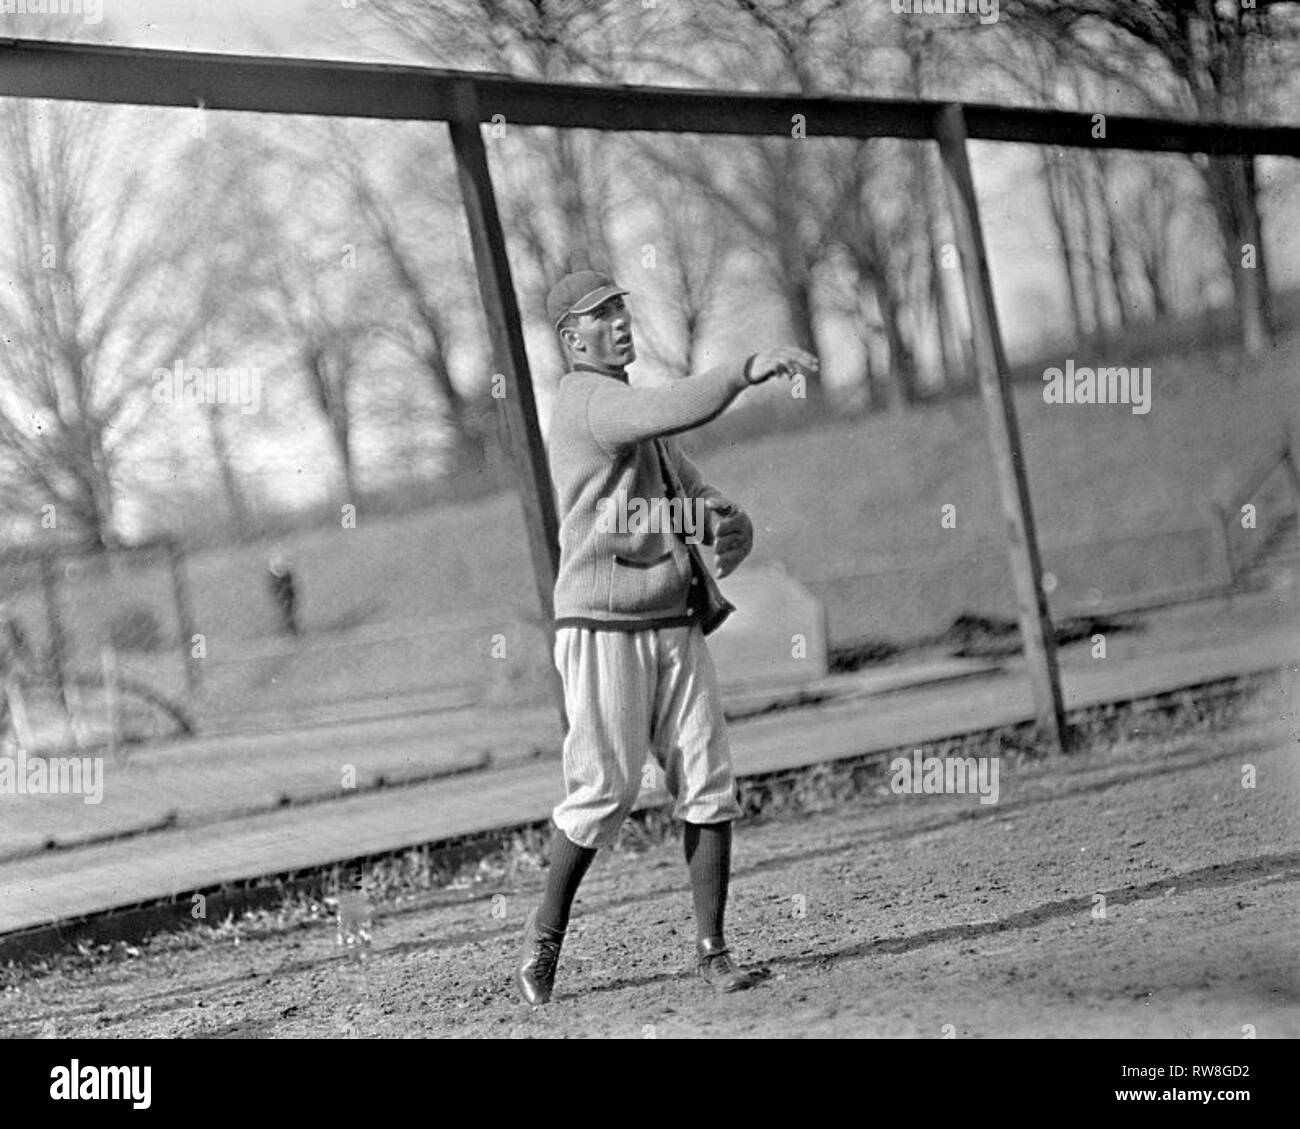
(579, 292)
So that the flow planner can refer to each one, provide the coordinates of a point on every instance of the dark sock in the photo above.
(708, 855)
(569, 863)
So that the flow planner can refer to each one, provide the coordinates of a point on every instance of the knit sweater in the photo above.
(632, 575)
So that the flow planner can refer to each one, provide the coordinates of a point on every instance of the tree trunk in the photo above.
(954, 357)
(1114, 265)
(798, 302)
(1233, 194)
(1159, 300)
(902, 365)
(877, 387)
(101, 497)
(343, 441)
(332, 392)
(1094, 269)
(581, 204)
(229, 480)
(1059, 205)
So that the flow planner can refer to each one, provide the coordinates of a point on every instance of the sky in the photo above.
(271, 26)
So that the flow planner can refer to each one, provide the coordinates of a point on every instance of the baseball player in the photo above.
(633, 601)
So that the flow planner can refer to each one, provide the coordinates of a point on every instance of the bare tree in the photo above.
(294, 296)
(555, 189)
(1063, 208)
(1148, 229)
(410, 215)
(1116, 216)
(1213, 60)
(95, 256)
(688, 242)
(887, 244)
(311, 304)
(807, 206)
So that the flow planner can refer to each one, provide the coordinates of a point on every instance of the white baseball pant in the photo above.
(628, 693)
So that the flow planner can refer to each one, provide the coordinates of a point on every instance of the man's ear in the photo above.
(572, 340)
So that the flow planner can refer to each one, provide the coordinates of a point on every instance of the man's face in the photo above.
(602, 336)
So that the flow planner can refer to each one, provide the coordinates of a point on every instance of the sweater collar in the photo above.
(584, 366)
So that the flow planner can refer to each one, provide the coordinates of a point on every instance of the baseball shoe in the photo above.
(715, 967)
(535, 973)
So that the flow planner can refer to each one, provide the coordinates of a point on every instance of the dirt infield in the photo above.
(891, 915)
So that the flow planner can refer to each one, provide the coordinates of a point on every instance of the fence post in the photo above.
(496, 288)
(184, 613)
(1004, 433)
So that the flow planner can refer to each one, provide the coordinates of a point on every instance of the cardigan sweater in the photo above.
(627, 575)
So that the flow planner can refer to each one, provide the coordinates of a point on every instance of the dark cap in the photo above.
(579, 292)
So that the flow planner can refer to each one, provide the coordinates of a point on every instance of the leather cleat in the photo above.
(540, 953)
(715, 967)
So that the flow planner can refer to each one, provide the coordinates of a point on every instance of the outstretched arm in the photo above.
(620, 416)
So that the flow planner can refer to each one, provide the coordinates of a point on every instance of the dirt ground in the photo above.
(891, 915)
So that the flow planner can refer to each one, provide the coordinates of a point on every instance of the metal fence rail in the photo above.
(266, 84)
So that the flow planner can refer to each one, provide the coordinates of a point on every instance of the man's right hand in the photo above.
(785, 360)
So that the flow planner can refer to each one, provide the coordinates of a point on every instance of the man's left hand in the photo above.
(732, 533)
